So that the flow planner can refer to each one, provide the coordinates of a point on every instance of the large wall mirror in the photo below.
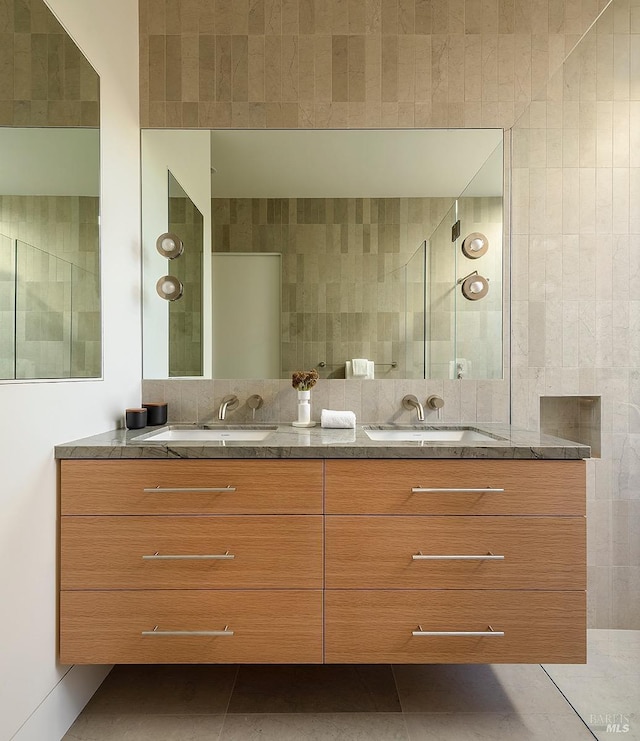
(326, 246)
(49, 200)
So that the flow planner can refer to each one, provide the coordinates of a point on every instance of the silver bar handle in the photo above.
(156, 632)
(489, 632)
(207, 557)
(488, 557)
(205, 489)
(428, 490)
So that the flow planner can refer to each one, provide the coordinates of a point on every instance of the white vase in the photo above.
(304, 407)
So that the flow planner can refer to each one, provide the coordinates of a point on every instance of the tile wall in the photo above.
(350, 63)
(344, 290)
(45, 81)
(185, 315)
(576, 248)
(55, 327)
(576, 264)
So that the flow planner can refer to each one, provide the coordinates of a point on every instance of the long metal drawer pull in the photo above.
(430, 490)
(213, 557)
(205, 489)
(489, 632)
(488, 557)
(156, 632)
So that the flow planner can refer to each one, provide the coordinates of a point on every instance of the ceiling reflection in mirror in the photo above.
(49, 203)
(362, 225)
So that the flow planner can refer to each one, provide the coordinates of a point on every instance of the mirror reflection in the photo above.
(334, 246)
(49, 203)
(185, 314)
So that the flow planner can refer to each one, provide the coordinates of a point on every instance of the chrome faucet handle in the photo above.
(435, 402)
(229, 403)
(410, 402)
(255, 402)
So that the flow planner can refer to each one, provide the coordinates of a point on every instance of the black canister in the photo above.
(135, 419)
(156, 412)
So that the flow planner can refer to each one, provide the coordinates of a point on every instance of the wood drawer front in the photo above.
(261, 487)
(377, 552)
(385, 487)
(268, 627)
(269, 552)
(376, 626)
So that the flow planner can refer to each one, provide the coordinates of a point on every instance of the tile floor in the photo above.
(510, 702)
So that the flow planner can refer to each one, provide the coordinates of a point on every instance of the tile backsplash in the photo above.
(372, 401)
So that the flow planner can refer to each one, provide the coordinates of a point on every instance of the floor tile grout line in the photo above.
(404, 717)
(226, 710)
(551, 679)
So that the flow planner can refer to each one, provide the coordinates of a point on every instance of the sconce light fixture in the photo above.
(474, 286)
(169, 288)
(475, 245)
(169, 246)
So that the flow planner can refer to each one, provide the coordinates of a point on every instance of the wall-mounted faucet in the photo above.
(229, 403)
(254, 402)
(410, 402)
(436, 403)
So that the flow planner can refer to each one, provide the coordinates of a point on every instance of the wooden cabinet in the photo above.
(455, 561)
(305, 561)
(191, 561)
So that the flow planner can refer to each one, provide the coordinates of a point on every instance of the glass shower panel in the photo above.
(7, 307)
(441, 299)
(43, 314)
(479, 322)
(415, 329)
(185, 314)
(86, 347)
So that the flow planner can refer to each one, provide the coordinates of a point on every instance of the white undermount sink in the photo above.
(221, 434)
(413, 434)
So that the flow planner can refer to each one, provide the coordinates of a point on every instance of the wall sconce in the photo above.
(475, 245)
(169, 246)
(474, 286)
(169, 288)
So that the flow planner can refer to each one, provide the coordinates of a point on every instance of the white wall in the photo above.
(188, 155)
(37, 700)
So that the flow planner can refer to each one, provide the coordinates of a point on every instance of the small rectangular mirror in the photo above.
(50, 321)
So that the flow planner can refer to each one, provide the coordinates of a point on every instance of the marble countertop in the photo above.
(290, 442)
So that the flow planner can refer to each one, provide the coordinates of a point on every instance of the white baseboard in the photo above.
(56, 713)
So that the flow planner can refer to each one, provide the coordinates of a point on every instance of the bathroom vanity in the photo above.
(316, 547)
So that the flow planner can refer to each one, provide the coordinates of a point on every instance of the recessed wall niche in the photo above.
(573, 418)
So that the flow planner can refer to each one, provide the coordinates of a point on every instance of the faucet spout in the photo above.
(229, 403)
(410, 402)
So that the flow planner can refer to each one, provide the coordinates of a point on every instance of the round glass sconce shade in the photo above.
(475, 245)
(169, 246)
(475, 287)
(169, 288)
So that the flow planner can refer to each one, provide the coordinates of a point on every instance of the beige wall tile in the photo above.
(340, 68)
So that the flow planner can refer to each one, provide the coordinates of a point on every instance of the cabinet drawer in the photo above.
(378, 626)
(455, 487)
(219, 552)
(257, 626)
(397, 552)
(191, 487)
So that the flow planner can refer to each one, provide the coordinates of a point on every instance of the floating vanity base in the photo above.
(322, 561)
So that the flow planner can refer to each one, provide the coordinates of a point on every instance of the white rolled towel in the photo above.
(337, 419)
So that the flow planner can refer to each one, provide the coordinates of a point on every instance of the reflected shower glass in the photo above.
(85, 323)
(43, 314)
(185, 314)
(479, 323)
(7, 307)
(415, 314)
(441, 299)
